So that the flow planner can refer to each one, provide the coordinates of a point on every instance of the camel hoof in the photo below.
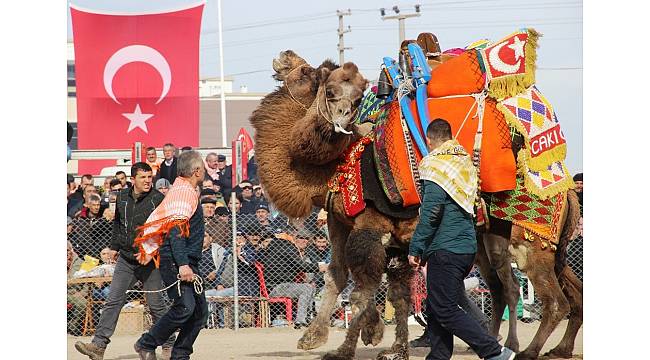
(558, 354)
(397, 352)
(335, 355)
(313, 338)
(372, 334)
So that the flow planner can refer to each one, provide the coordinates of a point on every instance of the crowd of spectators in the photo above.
(293, 256)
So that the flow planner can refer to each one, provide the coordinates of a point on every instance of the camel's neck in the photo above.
(293, 186)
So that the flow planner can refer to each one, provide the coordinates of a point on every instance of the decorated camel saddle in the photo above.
(487, 93)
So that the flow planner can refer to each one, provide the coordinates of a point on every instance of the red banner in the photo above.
(137, 78)
(246, 148)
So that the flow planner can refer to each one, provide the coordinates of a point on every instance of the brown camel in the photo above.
(295, 169)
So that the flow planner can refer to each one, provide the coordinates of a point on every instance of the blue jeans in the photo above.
(445, 291)
(189, 313)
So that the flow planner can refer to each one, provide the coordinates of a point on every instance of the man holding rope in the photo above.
(173, 238)
(133, 207)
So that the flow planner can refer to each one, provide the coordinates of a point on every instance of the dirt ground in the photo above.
(280, 343)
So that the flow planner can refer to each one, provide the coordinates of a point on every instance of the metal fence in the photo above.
(279, 272)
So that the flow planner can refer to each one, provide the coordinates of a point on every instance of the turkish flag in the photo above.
(137, 79)
(238, 166)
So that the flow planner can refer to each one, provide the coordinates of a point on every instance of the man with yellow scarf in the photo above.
(445, 240)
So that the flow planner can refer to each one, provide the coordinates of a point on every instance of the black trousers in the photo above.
(188, 313)
(445, 288)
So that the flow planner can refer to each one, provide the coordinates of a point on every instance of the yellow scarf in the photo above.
(451, 167)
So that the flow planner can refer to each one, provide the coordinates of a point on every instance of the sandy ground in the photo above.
(280, 343)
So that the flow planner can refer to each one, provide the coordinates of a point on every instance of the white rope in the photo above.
(196, 281)
(288, 88)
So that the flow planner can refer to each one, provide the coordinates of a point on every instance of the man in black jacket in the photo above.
(282, 262)
(133, 207)
(168, 166)
(225, 176)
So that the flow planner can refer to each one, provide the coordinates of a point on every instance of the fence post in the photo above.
(234, 260)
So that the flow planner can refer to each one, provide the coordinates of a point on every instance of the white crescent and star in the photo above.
(137, 53)
(497, 63)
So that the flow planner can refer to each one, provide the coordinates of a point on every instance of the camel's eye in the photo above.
(329, 93)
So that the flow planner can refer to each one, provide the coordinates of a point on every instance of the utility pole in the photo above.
(342, 31)
(400, 18)
(224, 130)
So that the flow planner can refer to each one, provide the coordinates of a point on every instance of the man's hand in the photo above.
(212, 276)
(143, 259)
(220, 287)
(414, 261)
(109, 215)
(186, 273)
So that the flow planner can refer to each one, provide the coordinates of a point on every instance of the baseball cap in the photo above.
(208, 191)
(207, 200)
(221, 157)
(263, 206)
(222, 210)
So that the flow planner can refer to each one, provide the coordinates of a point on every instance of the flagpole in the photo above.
(224, 142)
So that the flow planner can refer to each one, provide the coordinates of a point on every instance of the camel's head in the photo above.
(343, 89)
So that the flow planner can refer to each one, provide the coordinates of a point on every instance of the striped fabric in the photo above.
(178, 206)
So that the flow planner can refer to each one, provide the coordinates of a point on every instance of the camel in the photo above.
(295, 170)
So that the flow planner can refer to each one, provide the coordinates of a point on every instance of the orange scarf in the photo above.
(175, 210)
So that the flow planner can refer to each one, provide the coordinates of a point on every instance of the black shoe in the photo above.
(144, 354)
(422, 341)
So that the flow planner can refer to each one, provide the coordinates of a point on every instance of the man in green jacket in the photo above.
(445, 240)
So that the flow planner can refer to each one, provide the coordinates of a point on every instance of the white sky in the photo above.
(256, 31)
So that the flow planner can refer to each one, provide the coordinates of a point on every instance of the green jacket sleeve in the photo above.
(430, 213)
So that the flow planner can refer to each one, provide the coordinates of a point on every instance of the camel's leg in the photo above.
(336, 279)
(365, 257)
(373, 330)
(497, 250)
(496, 288)
(572, 287)
(539, 266)
(399, 293)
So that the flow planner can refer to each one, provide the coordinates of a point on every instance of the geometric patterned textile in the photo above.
(347, 178)
(510, 63)
(522, 208)
(533, 116)
(547, 182)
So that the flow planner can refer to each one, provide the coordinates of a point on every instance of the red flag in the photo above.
(246, 147)
(137, 78)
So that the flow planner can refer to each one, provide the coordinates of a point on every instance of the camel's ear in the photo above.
(324, 74)
(349, 66)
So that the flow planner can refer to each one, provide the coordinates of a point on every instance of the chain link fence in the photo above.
(279, 275)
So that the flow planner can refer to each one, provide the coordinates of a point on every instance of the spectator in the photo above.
(93, 231)
(219, 227)
(225, 176)
(72, 185)
(185, 148)
(168, 166)
(248, 284)
(152, 160)
(209, 206)
(106, 187)
(237, 205)
(207, 184)
(251, 168)
(248, 202)
(262, 220)
(207, 269)
(121, 176)
(577, 178)
(87, 192)
(92, 208)
(77, 299)
(163, 186)
(76, 200)
(258, 193)
(211, 167)
(102, 290)
(283, 263)
(319, 252)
